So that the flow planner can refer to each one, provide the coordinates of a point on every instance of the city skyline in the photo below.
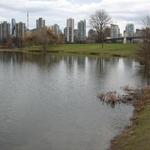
(42, 23)
(56, 12)
(71, 34)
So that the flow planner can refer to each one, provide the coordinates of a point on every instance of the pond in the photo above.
(49, 102)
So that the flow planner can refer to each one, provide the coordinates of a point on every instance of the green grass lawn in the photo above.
(123, 50)
(140, 137)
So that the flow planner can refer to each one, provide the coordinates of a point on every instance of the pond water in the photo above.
(50, 102)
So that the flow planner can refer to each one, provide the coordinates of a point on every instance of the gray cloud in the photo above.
(57, 11)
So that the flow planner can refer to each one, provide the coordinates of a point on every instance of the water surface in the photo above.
(50, 102)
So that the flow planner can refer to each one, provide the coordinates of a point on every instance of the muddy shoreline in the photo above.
(139, 105)
(138, 98)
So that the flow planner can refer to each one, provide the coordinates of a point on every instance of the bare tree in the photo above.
(145, 47)
(43, 37)
(146, 21)
(99, 21)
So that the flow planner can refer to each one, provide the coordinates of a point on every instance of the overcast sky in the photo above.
(57, 11)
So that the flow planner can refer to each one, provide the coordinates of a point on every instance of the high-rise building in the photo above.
(76, 35)
(70, 30)
(115, 31)
(65, 34)
(4, 31)
(20, 30)
(92, 36)
(130, 30)
(82, 30)
(1, 37)
(40, 23)
(56, 29)
(13, 27)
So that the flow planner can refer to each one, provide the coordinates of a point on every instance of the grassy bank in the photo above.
(122, 50)
(137, 137)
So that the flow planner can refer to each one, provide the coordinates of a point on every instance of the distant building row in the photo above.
(11, 30)
(17, 30)
(71, 35)
(40, 23)
(113, 32)
(75, 35)
(79, 35)
(129, 31)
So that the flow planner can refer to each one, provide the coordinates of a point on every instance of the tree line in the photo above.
(41, 37)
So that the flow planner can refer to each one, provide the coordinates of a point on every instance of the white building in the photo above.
(130, 30)
(115, 31)
(70, 30)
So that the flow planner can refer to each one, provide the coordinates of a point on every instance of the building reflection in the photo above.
(99, 67)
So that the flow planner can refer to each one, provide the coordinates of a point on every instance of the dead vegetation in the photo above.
(130, 96)
(136, 136)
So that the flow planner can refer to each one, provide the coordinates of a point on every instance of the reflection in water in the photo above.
(49, 102)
